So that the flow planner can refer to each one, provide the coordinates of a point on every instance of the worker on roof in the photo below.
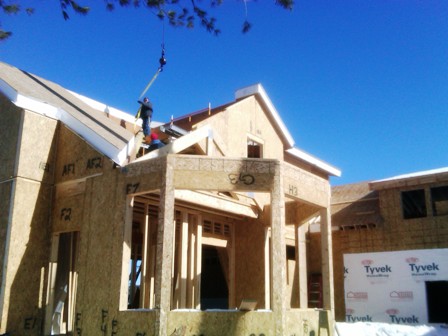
(145, 114)
(155, 142)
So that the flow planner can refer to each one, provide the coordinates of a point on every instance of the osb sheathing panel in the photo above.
(306, 186)
(298, 322)
(76, 159)
(309, 322)
(27, 259)
(9, 129)
(223, 174)
(37, 147)
(5, 201)
(113, 322)
(101, 248)
(221, 323)
(68, 206)
(247, 117)
(249, 266)
(144, 176)
(213, 323)
(240, 121)
(68, 213)
(292, 285)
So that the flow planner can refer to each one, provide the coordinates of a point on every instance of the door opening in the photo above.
(436, 298)
(65, 284)
(214, 289)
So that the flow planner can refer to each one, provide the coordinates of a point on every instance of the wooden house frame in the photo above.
(106, 238)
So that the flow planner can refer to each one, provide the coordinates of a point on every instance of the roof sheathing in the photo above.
(38, 95)
(412, 179)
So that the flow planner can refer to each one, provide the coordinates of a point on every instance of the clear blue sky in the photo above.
(361, 84)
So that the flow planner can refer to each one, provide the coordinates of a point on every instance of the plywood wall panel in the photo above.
(10, 128)
(249, 268)
(37, 147)
(6, 189)
(76, 159)
(27, 258)
(247, 117)
(68, 213)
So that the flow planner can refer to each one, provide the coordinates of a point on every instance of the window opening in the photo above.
(135, 267)
(290, 252)
(413, 204)
(143, 256)
(439, 197)
(254, 149)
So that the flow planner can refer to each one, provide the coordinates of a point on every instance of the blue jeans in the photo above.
(145, 126)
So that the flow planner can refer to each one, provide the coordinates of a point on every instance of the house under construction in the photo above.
(204, 236)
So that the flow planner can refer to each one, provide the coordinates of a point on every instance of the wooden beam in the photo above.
(278, 251)
(144, 280)
(214, 241)
(127, 239)
(152, 259)
(231, 252)
(198, 264)
(179, 144)
(183, 260)
(267, 268)
(192, 229)
(301, 264)
(175, 268)
(217, 202)
(327, 260)
(52, 270)
(165, 242)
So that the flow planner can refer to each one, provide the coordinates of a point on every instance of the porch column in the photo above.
(327, 260)
(301, 264)
(165, 234)
(278, 253)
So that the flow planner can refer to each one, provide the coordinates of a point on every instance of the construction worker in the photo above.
(155, 142)
(145, 114)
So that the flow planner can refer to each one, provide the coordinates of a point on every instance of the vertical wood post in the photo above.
(278, 251)
(183, 267)
(327, 260)
(301, 263)
(198, 264)
(165, 242)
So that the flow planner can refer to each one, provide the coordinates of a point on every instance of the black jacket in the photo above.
(146, 109)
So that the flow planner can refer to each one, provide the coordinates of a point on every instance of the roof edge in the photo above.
(257, 89)
(314, 161)
(105, 108)
(400, 178)
(118, 155)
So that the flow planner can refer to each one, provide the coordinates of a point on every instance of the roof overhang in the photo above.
(327, 168)
(118, 154)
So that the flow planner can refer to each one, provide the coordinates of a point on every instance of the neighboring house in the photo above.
(206, 235)
(407, 212)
